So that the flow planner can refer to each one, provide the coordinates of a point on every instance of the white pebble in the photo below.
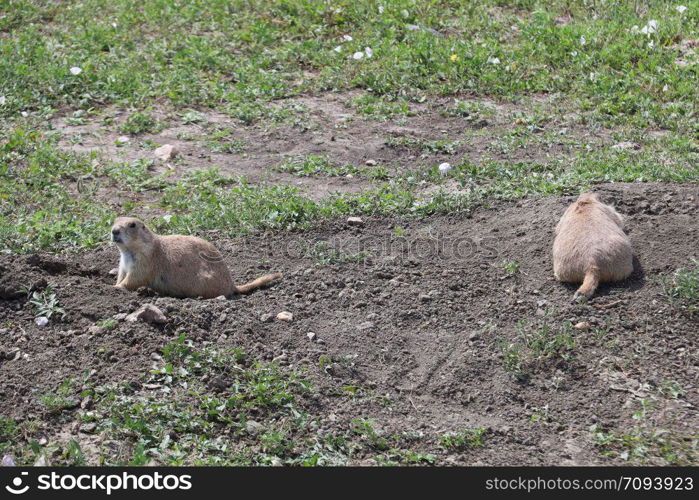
(285, 316)
(166, 152)
(444, 168)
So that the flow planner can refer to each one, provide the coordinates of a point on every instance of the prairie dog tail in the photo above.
(589, 284)
(258, 283)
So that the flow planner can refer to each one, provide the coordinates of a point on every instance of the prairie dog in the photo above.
(175, 265)
(591, 246)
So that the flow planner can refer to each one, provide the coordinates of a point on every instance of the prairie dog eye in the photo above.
(133, 224)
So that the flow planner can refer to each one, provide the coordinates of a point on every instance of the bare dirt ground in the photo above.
(329, 124)
(420, 321)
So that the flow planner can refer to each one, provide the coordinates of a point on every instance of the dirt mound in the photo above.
(434, 315)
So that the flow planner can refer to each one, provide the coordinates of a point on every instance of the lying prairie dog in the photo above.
(175, 265)
(591, 246)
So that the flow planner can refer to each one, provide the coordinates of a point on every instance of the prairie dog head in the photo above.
(129, 233)
(588, 198)
(584, 206)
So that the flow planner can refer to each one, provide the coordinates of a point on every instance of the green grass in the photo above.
(682, 289)
(381, 108)
(323, 254)
(511, 267)
(50, 198)
(45, 303)
(141, 123)
(468, 438)
(315, 165)
(443, 146)
(471, 112)
(257, 415)
(646, 442)
(536, 344)
(108, 324)
(60, 399)
(220, 141)
(228, 54)
(9, 433)
(246, 59)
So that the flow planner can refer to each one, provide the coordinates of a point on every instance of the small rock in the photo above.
(43, 441)
(220, 383)
(166, 152)
(474, 336)
(41, 461)
(444, 168)
(95, 330)
(266, 318)
(41, 321)
(114, 272)
(253, 427)
(155, 356)
(122, 140)
(221, 297)
(311, 336)
(355, 221)
(7, 461)
(88, 428)
(370, 163)
(285, 316)
(148, 313)
(626, 145)
(120, 316)
(582, 326)
(425, 298)
(280, 358)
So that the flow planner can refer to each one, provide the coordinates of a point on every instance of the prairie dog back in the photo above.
(197, 265)
(591, 246)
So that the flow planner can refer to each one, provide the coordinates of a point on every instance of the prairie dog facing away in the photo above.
(591, 246)
(174, 265)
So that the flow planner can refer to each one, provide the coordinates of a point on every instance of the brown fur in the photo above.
(177, 266)
(591, 246)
